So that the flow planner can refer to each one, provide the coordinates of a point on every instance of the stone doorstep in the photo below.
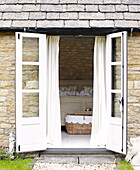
(57, 159)
(97, 159)
(136, 167)
(78, 159)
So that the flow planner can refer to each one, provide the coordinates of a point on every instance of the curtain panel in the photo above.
(98, 135)
(53, 100)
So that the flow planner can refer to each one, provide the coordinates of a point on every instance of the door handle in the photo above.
(121, 102)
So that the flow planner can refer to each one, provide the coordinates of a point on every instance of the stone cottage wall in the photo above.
(134, 85)
(7, 86)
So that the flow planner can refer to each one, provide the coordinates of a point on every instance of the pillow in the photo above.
(72, 88)
(91, 92)
(63, 89)
(87, 89)
(69, 88)
(68, 91)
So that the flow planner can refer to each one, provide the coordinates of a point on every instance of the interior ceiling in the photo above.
(73, 31)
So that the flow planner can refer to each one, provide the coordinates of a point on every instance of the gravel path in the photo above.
(76, 162)
(72, 166)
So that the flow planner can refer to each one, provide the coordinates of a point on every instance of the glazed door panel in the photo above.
(30, 92)
(117, 91)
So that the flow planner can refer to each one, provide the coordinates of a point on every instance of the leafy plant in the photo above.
(17, 155)
(6, 155)
(9, 161)
(125, 166)
(2, 154)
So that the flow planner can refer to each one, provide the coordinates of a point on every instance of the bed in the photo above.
(71, 104)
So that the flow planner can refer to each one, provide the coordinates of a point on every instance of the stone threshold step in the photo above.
(79, 159)
(76, 151)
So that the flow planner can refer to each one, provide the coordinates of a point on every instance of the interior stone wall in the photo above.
(76, 58)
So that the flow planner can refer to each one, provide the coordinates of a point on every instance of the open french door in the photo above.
(117, 91)
(30, 92)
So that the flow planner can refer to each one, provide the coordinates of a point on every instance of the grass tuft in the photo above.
(125, 166)
(18, 164)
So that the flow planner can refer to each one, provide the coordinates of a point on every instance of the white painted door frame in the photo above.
(31, 131)
(117, 126)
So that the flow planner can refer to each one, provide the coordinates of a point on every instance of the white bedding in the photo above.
(78, 119)
(72, 91)
(75, 95)
(72, 104)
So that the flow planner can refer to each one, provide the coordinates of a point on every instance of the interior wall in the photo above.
(76, 61)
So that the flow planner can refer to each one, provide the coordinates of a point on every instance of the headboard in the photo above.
(79, 83)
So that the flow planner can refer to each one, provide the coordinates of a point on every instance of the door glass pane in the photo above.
(116, 77)
(30, 105)
(116, 49)
(30, 49)
(30, 77)
(116, 105)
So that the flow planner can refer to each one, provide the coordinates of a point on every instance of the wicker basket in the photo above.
(79, 129)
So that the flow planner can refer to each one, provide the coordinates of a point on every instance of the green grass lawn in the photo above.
(125, 166)
(18, 164)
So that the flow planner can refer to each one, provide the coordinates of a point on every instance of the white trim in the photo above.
(115, 35)
(18, 88)
(30, 35)
(30, 63)
(125, 92)
(115, 91)
(31, 91)
(115, 63)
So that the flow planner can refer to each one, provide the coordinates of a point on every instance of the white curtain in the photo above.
(53, 100)
(98, 135)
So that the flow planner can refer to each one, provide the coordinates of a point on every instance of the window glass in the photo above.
(30, 105)
(116, 105)
(116, 49)
(116, 77)
(30, 77)
(30, 49)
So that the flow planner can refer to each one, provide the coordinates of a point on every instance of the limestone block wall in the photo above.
(30, 105)
(7, 86)
(134, 85)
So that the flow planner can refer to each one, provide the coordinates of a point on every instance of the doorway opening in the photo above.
(76, 90)
(37, 87)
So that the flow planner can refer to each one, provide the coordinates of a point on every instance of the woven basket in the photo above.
(78, 129)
